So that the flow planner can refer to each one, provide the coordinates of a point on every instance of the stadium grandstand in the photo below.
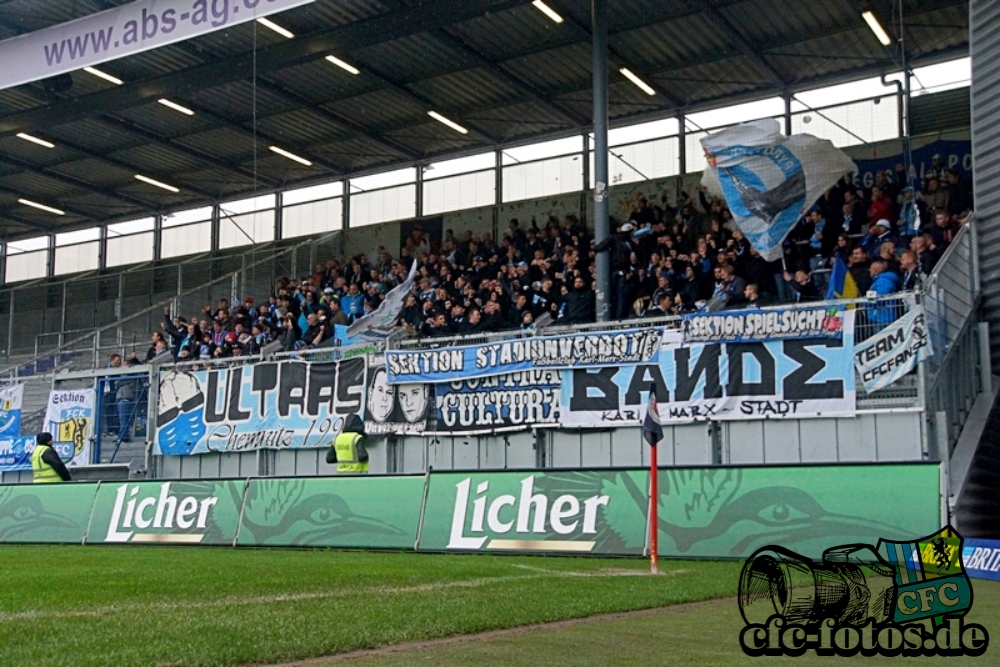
(504, 233)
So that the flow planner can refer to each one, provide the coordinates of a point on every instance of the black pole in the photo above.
(599, 17)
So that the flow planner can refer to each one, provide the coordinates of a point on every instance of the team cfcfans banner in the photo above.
(400, 408)
(613, 348)
(69, 417)
(770, 180)
(744, 326)
(776, 379)
(893, 352)
(276, 405)
(10, 409)
(502, 402)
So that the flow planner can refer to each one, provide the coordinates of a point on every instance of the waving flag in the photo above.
(652, 429)
(378, 323)
(770, 180)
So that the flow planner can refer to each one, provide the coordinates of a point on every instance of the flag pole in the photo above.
(654, 497)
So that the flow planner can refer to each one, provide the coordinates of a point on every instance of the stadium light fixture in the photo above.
(548, 11)
(642, 85)
(291, 156)
(284, 32)
(446, 121)
(342, 65)
(159, 184)
(42, 207)
(876, 27)
(176, 107)
(35, 140)
(103, 75)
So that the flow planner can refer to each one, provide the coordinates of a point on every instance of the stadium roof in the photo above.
(502, 69)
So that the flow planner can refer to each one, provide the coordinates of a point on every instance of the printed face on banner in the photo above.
(290, 404)
(400, 408)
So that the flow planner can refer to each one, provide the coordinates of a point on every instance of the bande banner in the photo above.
(123, 31)
(10, 409)
(276, 405)
(742, 326)
(502, 402)
(400, 408)
(69, 417)
(893, 352)
(614, 348)
(778, 379)
(15, 452)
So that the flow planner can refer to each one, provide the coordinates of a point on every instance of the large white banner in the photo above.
(894, 351)
(69, 417)
(762, 380)
(122, 31)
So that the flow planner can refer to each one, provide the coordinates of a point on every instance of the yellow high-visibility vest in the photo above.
(346, 446)
(43, 472)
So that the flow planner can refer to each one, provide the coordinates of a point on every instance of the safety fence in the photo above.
(585, 512)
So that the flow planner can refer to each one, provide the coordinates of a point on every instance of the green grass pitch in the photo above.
(177, 606)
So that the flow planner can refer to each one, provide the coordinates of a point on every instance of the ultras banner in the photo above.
(276, 405)
(513, 401)
(703, 512)
(789, 378)
(613, 348)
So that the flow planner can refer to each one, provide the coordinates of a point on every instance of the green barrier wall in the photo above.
(56, 513)
(703, 512)
(356, 512)
(168, 512)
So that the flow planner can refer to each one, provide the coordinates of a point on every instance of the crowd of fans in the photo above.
(664, 260)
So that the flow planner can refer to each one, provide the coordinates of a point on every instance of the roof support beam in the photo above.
(715, 14)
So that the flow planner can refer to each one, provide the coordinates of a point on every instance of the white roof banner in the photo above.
(123, 31)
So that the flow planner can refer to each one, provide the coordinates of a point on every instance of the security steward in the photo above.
(348, 449)
(46, 465)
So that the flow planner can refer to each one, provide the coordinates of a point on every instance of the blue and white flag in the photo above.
(894, 351)
(770, 180)
(10, 409)
(378, 324)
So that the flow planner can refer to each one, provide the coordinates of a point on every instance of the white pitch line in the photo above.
(615, 573)
(262, 599)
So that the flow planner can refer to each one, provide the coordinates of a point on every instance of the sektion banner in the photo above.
(744, 326)
(545, 352)
(69, 417)
(400, 408)
(279, 405)
(503, 402)
(893, 352)
(779, 379)
(10, 409)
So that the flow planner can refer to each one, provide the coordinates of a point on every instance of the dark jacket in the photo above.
(580, 306)
(352, 424)
(51, 457)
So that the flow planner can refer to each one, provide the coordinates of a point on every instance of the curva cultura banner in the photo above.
(278, 405)
(502, 402)
(615, 348)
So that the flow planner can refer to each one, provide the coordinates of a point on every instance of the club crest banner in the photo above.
(69, 417)
(741, 326)
(400, 408)
(502, 402)
(776, 379)
(614, 348)
(276, 405)
(10, 409)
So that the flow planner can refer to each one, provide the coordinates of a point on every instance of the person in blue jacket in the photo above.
(884, 282)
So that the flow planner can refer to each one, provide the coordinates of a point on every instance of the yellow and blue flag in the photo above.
(842, 285)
